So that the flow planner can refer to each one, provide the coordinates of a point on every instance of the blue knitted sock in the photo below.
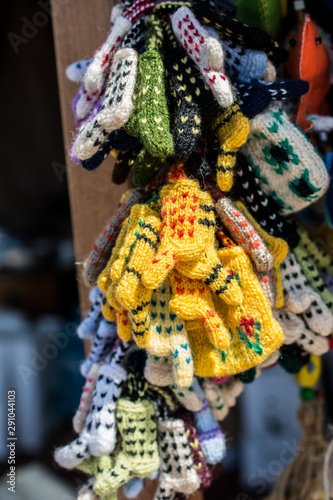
(104, 341)
(89, 326)
(210, 435)
(244, 64)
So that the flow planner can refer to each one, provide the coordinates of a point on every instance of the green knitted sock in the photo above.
(100, 468)
(312, 274)
(145, 168)
(139, 454)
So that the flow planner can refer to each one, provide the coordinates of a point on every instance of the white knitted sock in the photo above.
(104, 340)
(80, 416)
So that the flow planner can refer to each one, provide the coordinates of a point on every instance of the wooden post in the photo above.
(79, 27)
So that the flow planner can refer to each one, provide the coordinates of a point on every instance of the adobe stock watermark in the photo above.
(30, 27)
(39, 360)
(260, 481)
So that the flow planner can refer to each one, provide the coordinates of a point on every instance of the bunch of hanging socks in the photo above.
(204, 276)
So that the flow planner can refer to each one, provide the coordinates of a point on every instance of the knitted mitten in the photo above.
(188, 236)
(94, 78)
(101, 251)
(103, 342)
(177, 468)
(231, 128)
(200, 464)
(168, 337)
(287, 165)
(296, 330)
(139, 455)
(242, 63)
(76, 71)
(150, 120)
(255, 335)
(116, 106)
(123, 164)
(255, 97)
(210, 435)
(261, 206)
(245, 234)
(192, 300)
(80, 416)
(99, 434)
(206, 52)
(89, 326)
(300, 298)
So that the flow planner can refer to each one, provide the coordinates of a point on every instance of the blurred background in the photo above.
(39, 310)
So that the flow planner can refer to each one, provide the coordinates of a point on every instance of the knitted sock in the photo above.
(287, 165)
(200, 464)
(177, 468)
(245, 64)
(205, 51)
(101, 251)
(99, 434)
(94, 78)
(104, 340)
(312, 274)
(295, 330)
(116, 107)
(146, 168)
(214, 396)
(80, 416)
(97, 467)
(150, 119)
(322, 258)
(261, 206)
(255, 333)
(235, 31)
(89, 326)
(210, 435)
(136, 37)
(139, 455)
(192, 300)
(231, 128)
(301, 298)
(76, 71)
(188, 225)
(109, 314)
(255, 97)
(187, 397)
(168, 337)
(86, 492)
(123, 164)
(245, 234)
(134, 487)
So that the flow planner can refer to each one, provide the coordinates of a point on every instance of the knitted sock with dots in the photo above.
(261, 206)
(98, 467)
(214, 396)
(242, 63)
(104, 341)
(300, 298)
(206, 51)
(89, 326)
(146, 167)
(99, 434)
(136, 37)
(80, 416)
(139, 454)
(285, 162)
(322, 259)
(177, 468)
(210, 435)
(231, 128)
(123, 165)
(200, 464)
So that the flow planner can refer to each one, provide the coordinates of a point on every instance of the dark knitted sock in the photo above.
(136, 37)
(146, 167)
(123, 164)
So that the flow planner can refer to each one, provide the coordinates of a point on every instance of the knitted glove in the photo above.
(101, 251)
(158, 371)
(242, 63)
(89, 326)
(188, 225)
(261, 206)
(98, 69)
(99, 434)
(300, 298)
(168, 337)
(177, 468)
(287, 165)
(231, 128)
(200, 464)
(245, 234)
(255, 335)
(139, 455)
(210, 435)
(104, 341)
(80, 416)
(206, 52)
(116, 106)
